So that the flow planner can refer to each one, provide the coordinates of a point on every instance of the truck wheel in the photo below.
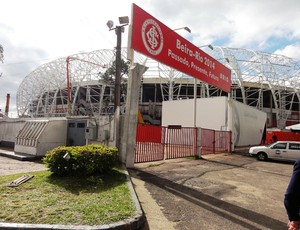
(262, 156)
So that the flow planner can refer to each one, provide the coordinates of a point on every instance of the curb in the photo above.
(20, 157)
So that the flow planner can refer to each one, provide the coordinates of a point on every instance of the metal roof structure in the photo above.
(44, 92)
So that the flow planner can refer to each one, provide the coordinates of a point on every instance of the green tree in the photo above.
(109, 75)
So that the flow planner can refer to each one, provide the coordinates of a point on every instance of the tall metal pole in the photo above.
(68, 85)
(118, 67)
(118, 85)
(195, 103)
(196, 152)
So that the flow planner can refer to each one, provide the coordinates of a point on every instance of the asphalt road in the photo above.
(223, 191)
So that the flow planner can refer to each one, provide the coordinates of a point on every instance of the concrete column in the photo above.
(130, 120)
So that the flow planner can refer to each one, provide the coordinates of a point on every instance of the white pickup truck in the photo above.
(280, 150)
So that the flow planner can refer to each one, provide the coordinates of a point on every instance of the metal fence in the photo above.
(213, 141)
(154, 143)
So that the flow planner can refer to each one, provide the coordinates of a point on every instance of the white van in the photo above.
(280, 150)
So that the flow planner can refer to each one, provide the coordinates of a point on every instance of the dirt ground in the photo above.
(222, 191)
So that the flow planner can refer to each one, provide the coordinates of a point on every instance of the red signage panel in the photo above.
(154, 39)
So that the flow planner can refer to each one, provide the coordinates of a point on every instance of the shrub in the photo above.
(83, 160)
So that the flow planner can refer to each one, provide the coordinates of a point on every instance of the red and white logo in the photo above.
(152, 37)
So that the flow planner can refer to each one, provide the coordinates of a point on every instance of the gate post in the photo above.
(199, 142)
(196, 144)
(131, 114)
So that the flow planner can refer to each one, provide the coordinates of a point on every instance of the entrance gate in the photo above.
(179, 142)
(155, 143)
(213, 141)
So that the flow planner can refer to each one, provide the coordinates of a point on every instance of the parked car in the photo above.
(280, 150)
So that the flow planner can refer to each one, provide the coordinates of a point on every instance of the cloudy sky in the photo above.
(34, 32)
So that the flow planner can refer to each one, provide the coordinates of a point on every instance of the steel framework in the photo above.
(255, 77)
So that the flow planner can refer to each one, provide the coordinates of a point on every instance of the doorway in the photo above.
(76, 132)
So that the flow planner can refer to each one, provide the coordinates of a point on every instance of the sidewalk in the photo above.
(155, 219)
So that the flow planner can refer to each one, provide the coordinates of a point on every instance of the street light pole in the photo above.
(118, 30)
(118, 68)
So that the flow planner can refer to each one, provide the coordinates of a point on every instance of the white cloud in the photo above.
(292, 51)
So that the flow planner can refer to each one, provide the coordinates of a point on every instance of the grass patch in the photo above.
(190, 158)
(45, 199)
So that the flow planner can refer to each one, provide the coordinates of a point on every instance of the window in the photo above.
(71, 125)
(279, 146)
(80, 125)
(294, 146)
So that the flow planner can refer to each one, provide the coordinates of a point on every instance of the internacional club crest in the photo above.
(152, 37)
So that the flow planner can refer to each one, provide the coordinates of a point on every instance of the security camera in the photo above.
(110, 24)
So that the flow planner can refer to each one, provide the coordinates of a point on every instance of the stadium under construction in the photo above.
(73, 85)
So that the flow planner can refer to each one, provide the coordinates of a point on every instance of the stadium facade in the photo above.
(73, 85)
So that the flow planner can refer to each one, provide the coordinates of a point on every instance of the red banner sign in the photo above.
(154, 39)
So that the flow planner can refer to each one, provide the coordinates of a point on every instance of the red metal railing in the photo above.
(149, 145)
(213, 141)
(207, 141)
(154, 143)
(179, 142)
